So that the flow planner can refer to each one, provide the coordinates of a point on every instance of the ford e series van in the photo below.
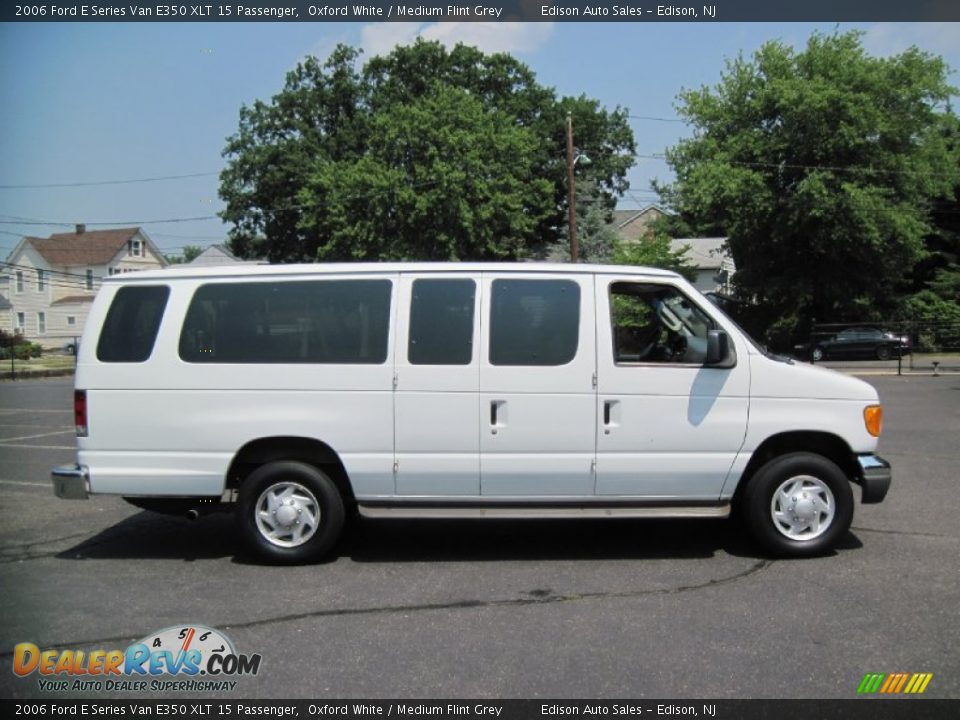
(296, 395)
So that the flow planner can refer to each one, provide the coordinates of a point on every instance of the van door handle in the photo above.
(610, 408)
(498, 415)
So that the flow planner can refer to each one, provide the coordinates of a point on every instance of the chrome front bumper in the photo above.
(875, 477)
(71, 482)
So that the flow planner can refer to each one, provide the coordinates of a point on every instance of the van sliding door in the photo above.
(437, 383)
(537, 412)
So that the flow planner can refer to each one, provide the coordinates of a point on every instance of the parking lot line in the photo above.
(37, 447)
(10, 411)
(21, 482)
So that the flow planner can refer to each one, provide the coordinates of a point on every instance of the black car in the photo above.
(859, 343)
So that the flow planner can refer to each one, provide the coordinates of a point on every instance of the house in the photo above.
(6, 318)
(51, 282)
(634, 225)
(712, 260)
(220, 255)
(709, 256)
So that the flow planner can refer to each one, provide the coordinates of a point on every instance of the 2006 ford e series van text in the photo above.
(294, 395)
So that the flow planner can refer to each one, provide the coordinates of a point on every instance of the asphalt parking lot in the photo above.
(548, 609)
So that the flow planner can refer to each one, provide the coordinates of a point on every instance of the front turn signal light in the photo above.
(873, 419)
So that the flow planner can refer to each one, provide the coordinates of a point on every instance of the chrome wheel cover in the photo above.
(802, 508)
(287, 514)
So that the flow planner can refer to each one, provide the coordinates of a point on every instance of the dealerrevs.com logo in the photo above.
(181, 658)
(894, 683)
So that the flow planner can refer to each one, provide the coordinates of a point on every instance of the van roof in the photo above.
(242, 271)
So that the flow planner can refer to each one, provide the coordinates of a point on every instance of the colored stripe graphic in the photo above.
(894, 683)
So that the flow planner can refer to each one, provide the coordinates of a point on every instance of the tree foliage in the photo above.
(190, 253)
(425, 153)
(656, 252)
(819, 166)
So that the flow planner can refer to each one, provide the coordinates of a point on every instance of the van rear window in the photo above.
(325, 321)
(133, 320)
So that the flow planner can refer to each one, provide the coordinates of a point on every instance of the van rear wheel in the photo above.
(289, 512)
(798, 505)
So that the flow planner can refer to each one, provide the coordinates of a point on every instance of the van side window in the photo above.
(534, 322)
(133, 320)
(441, 322)
(656, 324)
(327, 321)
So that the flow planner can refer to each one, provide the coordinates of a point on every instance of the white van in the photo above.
(296, 394)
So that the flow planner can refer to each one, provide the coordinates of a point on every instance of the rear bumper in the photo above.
(875, 477)
(71, 482)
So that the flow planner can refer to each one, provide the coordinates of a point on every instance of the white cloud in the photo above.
(893, 38)
(381, 38)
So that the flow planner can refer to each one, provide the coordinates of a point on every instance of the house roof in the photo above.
(625, 217)
(704, 253)
(73, 299)
(93, 247)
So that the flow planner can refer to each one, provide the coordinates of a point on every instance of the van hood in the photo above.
(772, 378)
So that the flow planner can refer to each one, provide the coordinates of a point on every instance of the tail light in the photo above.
(80, 412)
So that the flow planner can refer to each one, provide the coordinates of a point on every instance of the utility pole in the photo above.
(574, 248)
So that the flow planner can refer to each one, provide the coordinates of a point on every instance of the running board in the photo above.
(533, 512)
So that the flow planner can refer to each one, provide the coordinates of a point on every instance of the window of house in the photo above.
(71, 320)
(534, 322)
(326, 321)
(19, 281)
(136, 248)
(133, 320)
(89, 279)
(41, 323)
(21, 321)
(41, 280)
(441, 322)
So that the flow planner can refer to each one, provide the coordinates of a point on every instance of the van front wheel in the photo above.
(798, 505)
(289, 512)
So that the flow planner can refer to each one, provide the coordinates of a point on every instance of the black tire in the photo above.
(884, 352)
(313, 507)
(818, 484)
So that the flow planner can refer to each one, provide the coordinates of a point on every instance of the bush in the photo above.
(21, 351)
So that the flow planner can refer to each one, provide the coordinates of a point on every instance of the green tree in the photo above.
(656, 252)
(819, 166)
(190, 253)
(596, 237)
(423, 153)
(443, 178)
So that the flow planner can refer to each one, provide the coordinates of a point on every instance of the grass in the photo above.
(44, 362)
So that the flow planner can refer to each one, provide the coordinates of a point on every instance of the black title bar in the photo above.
(508, 11)
(221, 708)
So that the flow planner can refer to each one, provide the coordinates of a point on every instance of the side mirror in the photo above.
(718, 347)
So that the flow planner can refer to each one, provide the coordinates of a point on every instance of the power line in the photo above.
(50, 272)
(657, 119)
(129, 181)
(112, 222)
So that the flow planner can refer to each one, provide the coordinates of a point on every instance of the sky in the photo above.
(88, 103)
